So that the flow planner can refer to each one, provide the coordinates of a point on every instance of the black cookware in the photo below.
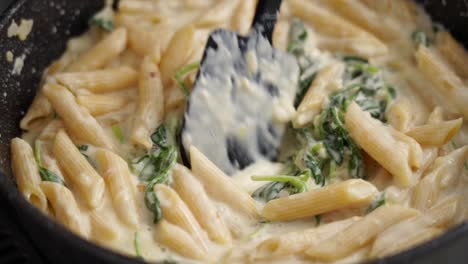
(27, 236)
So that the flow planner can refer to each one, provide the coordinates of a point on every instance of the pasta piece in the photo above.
(219, 185)
(102, 229)
(455, 53)
(327, 81)
(78, 171)
(116, 175)
(403, 11)
(399, 115)
(379, 143)
(99, 104)
(136, 6)
(333, 197)
(360, 233)
(217, 15)
(410, 239)
(415, 154)
(444, 173)
(281, 34)
(146, 39)
(26, 173)
(100, 81)
(436, 116)
(65, 207)
(330, 24)
(178, 240)
(437, 134)
(177, 212)
(174, 98)
(50, 130)
(150, 109)
(429, 155)
(414, 230)
(449, 85)
(244, 15)
(297, 242)
(364, 17)
(39, 110)
(177, 53)
(192, 192)
(78, 121)
(102, 53)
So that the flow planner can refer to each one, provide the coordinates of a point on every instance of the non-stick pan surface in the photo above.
(27, 236)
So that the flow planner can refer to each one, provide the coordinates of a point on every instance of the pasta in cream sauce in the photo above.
(374, 158)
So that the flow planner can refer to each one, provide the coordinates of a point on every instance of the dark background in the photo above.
(4, 4)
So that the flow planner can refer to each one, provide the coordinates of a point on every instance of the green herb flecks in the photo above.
(155, 167)
(377, 203)
(136, 244)
(105, 24)
(118, 133)
(44, 173)
(421, 38)
(308, 66)
(318, 219)
(181, 74)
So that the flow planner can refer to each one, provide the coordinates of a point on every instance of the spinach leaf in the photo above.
(136, 244)
(318, 219)
(44, 173)
(154, 167)
(118, 133)
(377, 203)
(308, 66)
(105, 24)
(182, 72)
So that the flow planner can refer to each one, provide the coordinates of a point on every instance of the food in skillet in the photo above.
(373, 160)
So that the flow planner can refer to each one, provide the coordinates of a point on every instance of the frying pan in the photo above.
(26, 235)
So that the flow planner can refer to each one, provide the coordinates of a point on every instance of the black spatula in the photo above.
(243, 95)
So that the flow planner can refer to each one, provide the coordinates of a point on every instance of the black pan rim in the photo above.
(9, 190)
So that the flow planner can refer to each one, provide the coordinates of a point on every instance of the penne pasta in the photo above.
(334, 26)
(379, 143)
(50, 130)
(448, 84)
(65, 207)
(364, 17)
(414, 230)
(453, 52)
(360, 233)
(219, 185)
(297, 242)
(100, 81)
(150, 108)
(177, 53)
(26, 173)
(116, 175)
(178, 240)
(243, 16)
(427, 191)
(176, 211)
(192, 192)
(39, 110)
(218, 14)
(77, 120)
(436, 134)
(399, 116)
(99, 55)
(78, 171)
(349, 193)
(102, 229)
(328, 80)
(99, 104)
